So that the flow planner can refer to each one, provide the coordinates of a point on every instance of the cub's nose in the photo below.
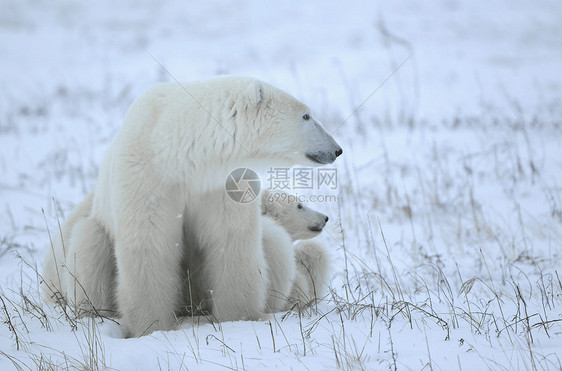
(326, 220)
(338, 153)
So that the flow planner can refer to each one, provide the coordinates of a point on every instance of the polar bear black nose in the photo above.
(338, 152)
(326, 219)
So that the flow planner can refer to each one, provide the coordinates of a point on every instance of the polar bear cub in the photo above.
(297, 275)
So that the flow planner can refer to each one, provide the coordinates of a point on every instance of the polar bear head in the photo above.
(275, 127)
(299, 221)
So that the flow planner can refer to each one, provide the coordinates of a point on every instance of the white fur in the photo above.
(171, 157)
(297, 274)
(280, 257)
(300, 221)
(54, 265)
(310, 282)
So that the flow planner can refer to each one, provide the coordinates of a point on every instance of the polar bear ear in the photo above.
(255, 92)
(268, 205)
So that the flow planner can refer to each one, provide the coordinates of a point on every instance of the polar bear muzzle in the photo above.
(322, 148)
(324, 157)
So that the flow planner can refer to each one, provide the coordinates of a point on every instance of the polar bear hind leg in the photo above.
(54, 266)
(91, 269)
(148, 251)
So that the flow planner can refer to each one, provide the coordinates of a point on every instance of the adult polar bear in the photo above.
(168, 165)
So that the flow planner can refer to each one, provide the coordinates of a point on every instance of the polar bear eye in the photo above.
(306, 117)
(299, 206)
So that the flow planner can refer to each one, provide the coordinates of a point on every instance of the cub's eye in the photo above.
(299, 206)
(306, 117)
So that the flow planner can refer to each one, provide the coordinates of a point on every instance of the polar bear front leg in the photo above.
(148, 249)
(312, 265)
(280, 257)
(230, 237)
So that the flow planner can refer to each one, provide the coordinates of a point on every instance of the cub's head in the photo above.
(285, 131)
(299, 221)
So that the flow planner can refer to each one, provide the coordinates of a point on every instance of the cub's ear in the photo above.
(265, 194)
(255, 92)
(268, 205)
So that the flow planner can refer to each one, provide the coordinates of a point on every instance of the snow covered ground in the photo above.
(446, 239)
